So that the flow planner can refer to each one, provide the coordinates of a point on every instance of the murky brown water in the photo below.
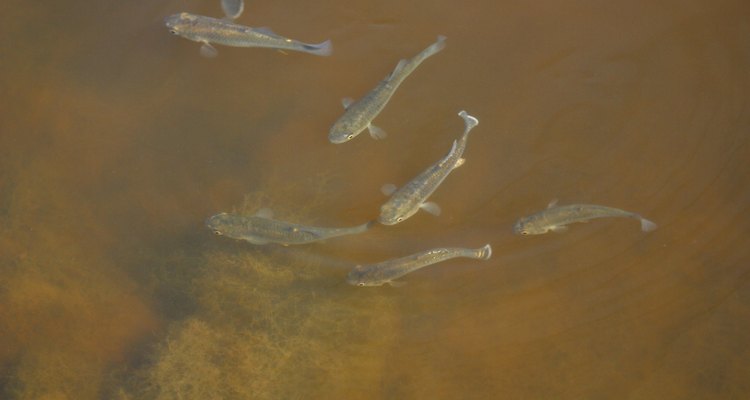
(117, 140)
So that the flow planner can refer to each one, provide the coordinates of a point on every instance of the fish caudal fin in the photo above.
(484, 253)
(320, 49)
(469, 121)
(647, 226)
(436, 47)
(364, 227)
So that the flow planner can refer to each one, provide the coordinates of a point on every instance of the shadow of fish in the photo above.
(262, 229)
(209, 30)
(359, 114)
(555, 218)
(385, 272)
(407, 200)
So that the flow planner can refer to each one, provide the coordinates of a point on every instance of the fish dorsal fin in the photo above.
(267, 31)
(459, 162)
(388, 189)
(264, 213)
(347, 102)
(552, 203)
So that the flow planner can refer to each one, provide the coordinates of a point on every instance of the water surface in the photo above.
(117, 140)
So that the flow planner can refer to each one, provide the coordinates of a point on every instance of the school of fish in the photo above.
(262, 228)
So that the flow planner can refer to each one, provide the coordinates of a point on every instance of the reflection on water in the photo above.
(117, 140)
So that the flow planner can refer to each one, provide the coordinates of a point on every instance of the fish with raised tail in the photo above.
(359, 114)
(262, 229)
(412, 197)
(556, 218)
(387, 271)
(209, 30)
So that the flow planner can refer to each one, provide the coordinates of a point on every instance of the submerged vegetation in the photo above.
(267, 328)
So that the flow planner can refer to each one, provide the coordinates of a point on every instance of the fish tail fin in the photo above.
(484, 253)
(469, 121)
(320, 49)
(430, 51)
(365, 226)
(646, 225)
(435, 47)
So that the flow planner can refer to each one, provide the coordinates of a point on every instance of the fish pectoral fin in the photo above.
(552, 203)
(346, 102)
(396, 283)
(376, 132)
(208, 51)
(388, 189)
(558, 228)
(264, 213)
(431, 207)
(459, 162)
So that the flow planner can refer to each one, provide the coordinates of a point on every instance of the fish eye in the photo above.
(361, 284)
(217, 233)
(350, 137)
(172, 31)
(524, 232)
(399, 219)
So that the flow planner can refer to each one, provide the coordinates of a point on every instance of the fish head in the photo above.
(358, 277)
(178, 23)
(221, 224)
(529, 226)
(342, 131)
(390, 215)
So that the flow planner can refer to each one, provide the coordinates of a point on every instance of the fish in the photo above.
(209, 30)
(262, 229)
(556, 218)
(358, 115)
(412, 197)
(387, 271)
(232, 8)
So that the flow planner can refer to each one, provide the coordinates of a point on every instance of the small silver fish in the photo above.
(555, 218)
(262, 229)
(209, 30)
(385, 272)
(359, 114)
(407, 200)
